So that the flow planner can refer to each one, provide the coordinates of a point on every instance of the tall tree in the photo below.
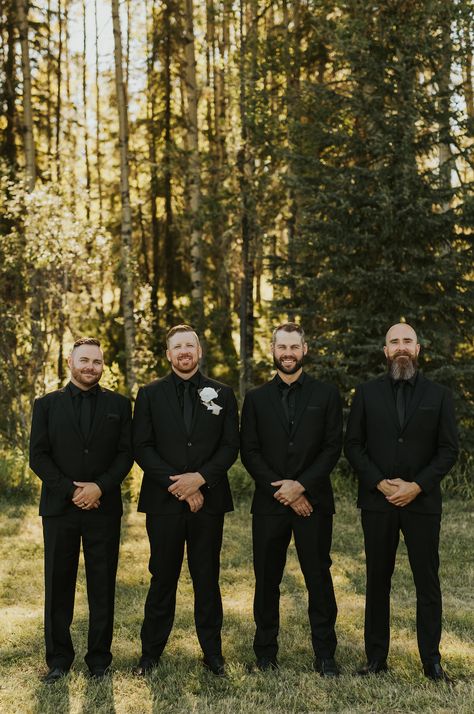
(27, 119)
(126, 222)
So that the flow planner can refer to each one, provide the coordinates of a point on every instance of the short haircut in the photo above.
(288, 327)
(86, 341)
(180, 328)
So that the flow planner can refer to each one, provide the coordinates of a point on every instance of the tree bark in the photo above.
(27, 125)
(194, 174)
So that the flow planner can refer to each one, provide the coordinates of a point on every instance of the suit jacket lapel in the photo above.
(418, 392)
(306, 390)
(69, 409)
(170, 391)
(390, 400)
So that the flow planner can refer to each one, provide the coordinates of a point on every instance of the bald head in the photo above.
(401, 330)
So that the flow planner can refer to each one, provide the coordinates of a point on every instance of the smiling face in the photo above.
(184, 353)
(401, 350)
(288, 351)
(86, 363)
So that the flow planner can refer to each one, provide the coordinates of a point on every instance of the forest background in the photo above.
(232, 164)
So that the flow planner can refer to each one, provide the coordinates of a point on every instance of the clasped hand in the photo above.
(86, 495)
(185, 487)
(399, 492)
(290, 494)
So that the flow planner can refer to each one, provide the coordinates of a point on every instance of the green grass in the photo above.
(181, 685)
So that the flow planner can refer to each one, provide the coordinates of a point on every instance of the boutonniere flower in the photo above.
(207, 394)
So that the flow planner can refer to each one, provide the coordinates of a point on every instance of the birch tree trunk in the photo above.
(194, 173)
(126, 228)
(27, 124)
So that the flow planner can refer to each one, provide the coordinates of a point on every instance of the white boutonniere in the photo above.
(207, 394)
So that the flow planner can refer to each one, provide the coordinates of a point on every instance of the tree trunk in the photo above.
(169, 229)
(27, 126)
(9, 145)
(194, 174)
(84, 110)
(59, 95)
(126, 228)
(98, 117)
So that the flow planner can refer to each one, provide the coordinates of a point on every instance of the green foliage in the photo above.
(380, 172)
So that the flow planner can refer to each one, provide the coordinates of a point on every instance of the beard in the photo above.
(87, 379)
(403, 366)
(297, 364)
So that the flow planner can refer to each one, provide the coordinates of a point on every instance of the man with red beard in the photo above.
(186, 437)
(401, 440)
(291, 438)
(81, 449)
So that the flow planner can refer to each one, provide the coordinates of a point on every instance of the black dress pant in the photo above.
(100, 535)
(168, 534)
(271, 537)
(381, 536)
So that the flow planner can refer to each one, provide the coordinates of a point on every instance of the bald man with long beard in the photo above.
(401, 440)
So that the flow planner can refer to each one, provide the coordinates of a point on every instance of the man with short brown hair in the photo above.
(291, 438)
(81, 449)
(186, 437)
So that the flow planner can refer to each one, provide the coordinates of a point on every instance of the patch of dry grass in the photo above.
(181, 685)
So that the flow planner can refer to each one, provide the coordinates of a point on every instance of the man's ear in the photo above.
(168, 355)
(305, 348)
(385, 350)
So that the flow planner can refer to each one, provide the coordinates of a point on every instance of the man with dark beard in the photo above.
(291, 439)
(401, 440)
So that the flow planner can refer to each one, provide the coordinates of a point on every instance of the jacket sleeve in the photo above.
(320, 470)
(355, 445)
(224, 456)
(123, 459)
(251, 451)
(144, 449)
(447, 447)
(41, 461)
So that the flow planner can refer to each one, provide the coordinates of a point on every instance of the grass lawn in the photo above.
(181, 685)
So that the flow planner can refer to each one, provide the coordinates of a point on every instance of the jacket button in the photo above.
(400, 441)
(291, 443)
(189, 443)
(86, 451)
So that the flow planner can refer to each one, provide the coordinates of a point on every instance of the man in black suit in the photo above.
(401, 441)
(81, 449)
(291, 438)
(186, 437)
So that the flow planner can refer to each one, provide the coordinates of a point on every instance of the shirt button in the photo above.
(400, 441)
(189, 443)
(86, 451)
(291, 443)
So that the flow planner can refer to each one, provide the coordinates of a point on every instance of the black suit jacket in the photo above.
(423, 450)
(163, 448)
(270, 452)
(59, 454)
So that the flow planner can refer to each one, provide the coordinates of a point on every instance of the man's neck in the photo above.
(290, 378)
(184, 375)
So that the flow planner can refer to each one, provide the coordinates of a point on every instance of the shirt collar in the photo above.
(283, 385)
(195, 379)
(75, 390)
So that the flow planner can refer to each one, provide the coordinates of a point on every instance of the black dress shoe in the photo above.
(434, 671)
(99, 672)
(54, 675)
(265, 664)
(375, 666)
(215, 664)
(326, 667)
(144, 667)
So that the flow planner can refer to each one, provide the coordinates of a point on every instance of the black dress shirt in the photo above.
(78, 396)
(289, 397)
